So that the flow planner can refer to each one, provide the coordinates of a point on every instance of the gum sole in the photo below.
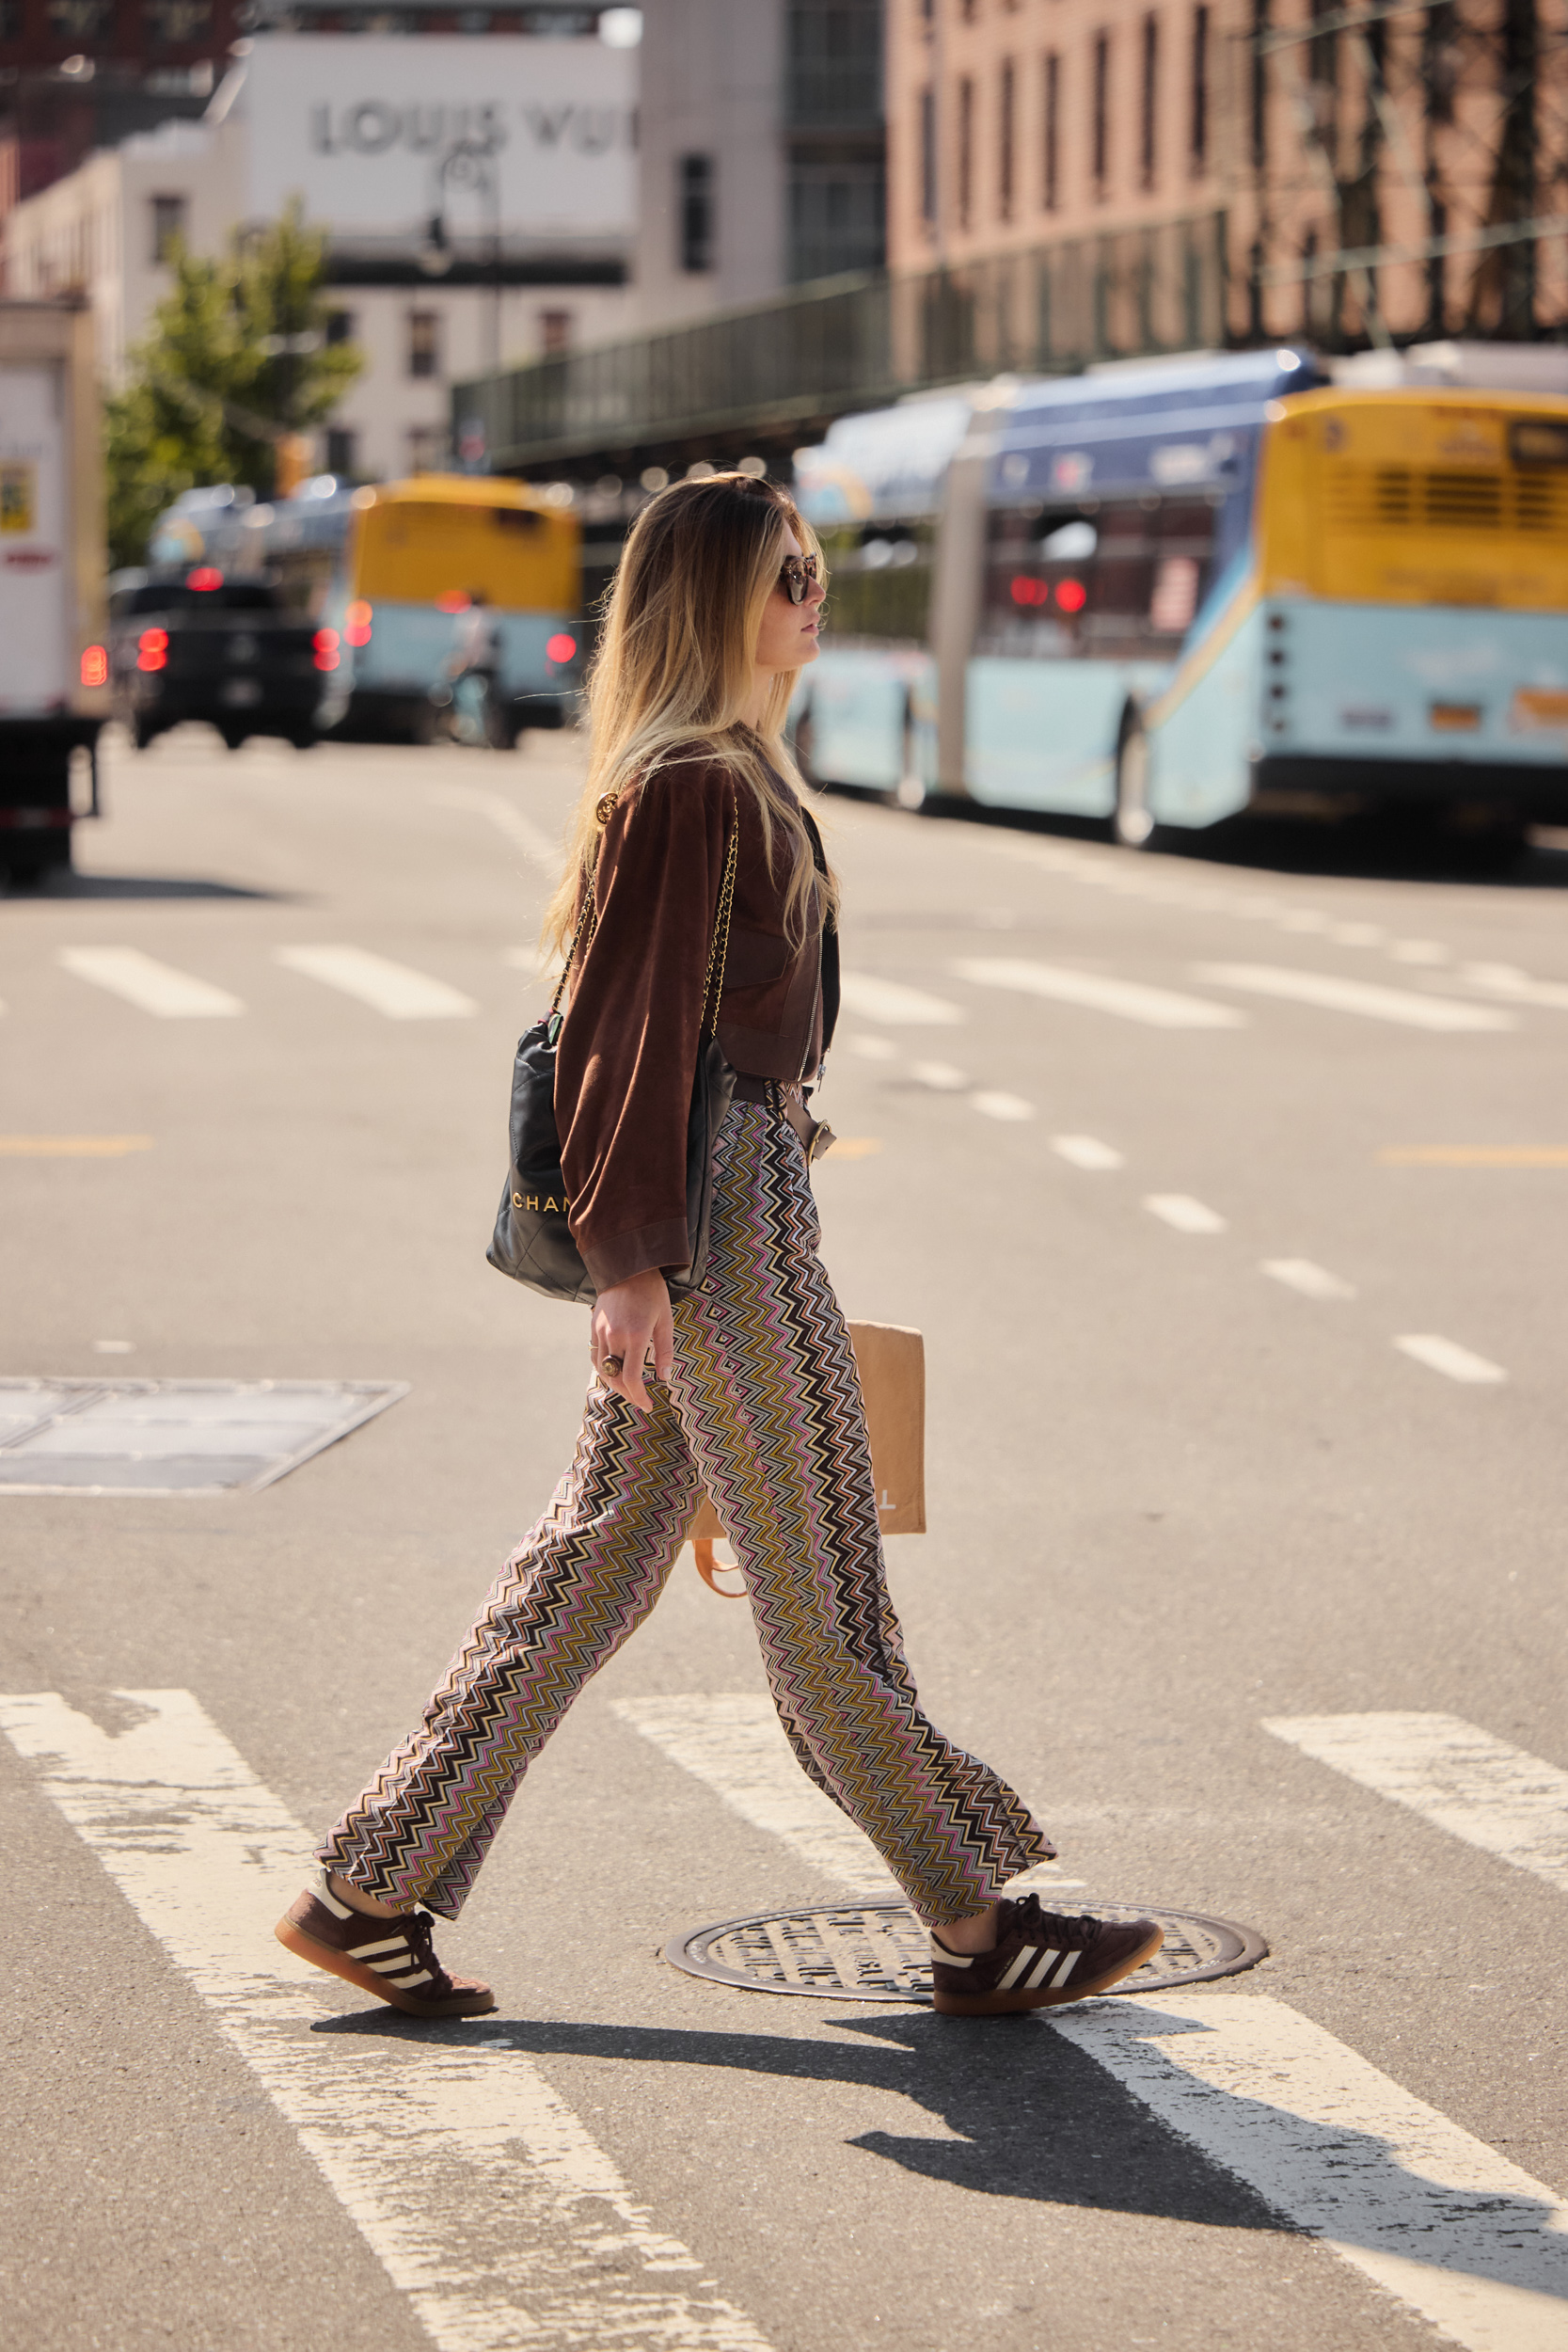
(1015, 2003)
(354, 1972)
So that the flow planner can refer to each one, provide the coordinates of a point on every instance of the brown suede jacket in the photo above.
(627, 1050)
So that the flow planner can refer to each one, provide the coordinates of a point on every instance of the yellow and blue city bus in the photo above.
(1165, 594)
(416, 556)
(389, 574)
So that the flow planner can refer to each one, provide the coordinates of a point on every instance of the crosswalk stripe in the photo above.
(150, 986)
(1452, 1774)
(1012, 1109)
(731, 1742)
(1402, 2195)
(476, 2186)
(395, 990)
(1129, 1000)
(534, 842)
(875, 999)
(1328, 992)
(1447, 1357)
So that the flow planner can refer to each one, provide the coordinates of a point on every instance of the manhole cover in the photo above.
(173, 1437)
(880, 1951)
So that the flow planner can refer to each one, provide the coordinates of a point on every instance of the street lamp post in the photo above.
(468, 165)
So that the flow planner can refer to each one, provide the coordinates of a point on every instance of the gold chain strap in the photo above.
(718, 952)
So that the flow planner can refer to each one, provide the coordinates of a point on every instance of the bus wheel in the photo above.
(1131, 823)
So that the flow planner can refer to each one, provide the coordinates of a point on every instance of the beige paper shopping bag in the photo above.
(892, 1365)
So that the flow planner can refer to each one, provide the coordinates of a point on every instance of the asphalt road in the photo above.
(1174, 1498)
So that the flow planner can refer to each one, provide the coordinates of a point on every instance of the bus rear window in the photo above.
(1538, 441)
(1117, 580)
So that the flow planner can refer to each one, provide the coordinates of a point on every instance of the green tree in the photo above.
(236, 361)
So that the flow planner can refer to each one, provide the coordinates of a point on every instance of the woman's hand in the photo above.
(630, 1321)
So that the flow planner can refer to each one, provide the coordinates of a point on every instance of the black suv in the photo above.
(191, 644)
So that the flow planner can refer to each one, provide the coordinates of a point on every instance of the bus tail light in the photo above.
(1071, 595)
(560, 647)
(327, 649)
(152, 650)
(206, 576)
(95, 665)
(357, 623)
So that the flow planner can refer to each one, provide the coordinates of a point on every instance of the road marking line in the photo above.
(942, 1077)
(71, 1147)
(1405, 2197)
(1516, 987)
(1357, 935)
(532, 839)
(1448, 1357)
(1474, 1155)
(1312, 1281)
(1369, 999)
(1086, 1151)
(1509, 1803)
(1419, 951)
(475, 2186)
(395, 990)
(992, 1105)
(1130, 1000)
(872, 1048)
(150, 986)
(1183, 1214)
(877, 1000)
(731, 1742)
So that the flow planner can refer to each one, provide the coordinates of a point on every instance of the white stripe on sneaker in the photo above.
(330, 1902)
(393, 1967)
(1006, 1984)
(387, 1943)
(1036, 1975)
(1065, 1971)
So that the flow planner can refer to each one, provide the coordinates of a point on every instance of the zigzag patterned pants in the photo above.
(763, 1409)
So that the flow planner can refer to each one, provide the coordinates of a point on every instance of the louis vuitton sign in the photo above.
(358, 126)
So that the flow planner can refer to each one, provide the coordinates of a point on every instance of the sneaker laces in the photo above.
(421, 1945)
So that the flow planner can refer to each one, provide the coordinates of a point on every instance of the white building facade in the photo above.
(478, 195)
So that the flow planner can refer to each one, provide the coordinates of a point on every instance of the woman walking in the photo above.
(748, 1386)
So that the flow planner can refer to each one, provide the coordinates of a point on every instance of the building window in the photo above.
(424, 342)
(1007, 128)
(695, 176)
(555, 332)
(342, 449)
(1050, 185)
(1099, 137)
(1147, 147)
(340, 326)
(427, 449)
(169, 215)
(1200, 91)
(929, 157)
(966, 151)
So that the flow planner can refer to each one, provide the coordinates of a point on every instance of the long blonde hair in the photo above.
(674, 670)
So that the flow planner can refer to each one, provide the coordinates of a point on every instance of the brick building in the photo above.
(1371, 171)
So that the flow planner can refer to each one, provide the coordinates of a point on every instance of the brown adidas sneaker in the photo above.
(392, 1958)
(1041, 1958)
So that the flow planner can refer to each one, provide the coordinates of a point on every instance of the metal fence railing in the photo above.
(822, 350)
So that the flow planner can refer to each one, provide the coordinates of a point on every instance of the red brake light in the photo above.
(357, 623)
(95, 666)
(560, 647)
(1071, 595)
(204, 576)
(327, 649)
(1027, 590)
(453, 601)
(152, 650)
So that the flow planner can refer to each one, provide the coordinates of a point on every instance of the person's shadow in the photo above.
(1026, 2113)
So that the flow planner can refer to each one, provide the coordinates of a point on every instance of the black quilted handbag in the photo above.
(532, 1241)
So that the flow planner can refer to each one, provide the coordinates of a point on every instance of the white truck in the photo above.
(53, 660)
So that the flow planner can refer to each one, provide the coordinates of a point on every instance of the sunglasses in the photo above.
(799, 574)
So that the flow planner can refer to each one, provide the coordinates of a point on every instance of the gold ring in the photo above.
(612, 1364)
